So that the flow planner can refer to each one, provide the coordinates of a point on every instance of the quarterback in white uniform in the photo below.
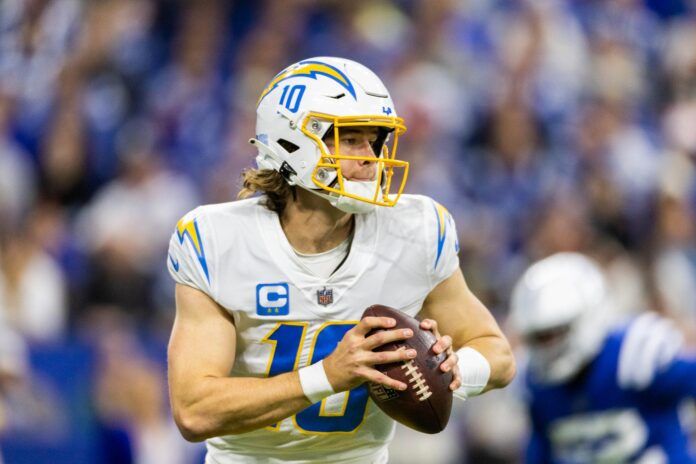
(268, 358)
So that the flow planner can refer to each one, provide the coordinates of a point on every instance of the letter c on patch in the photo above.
(272, 299)
(273, 296)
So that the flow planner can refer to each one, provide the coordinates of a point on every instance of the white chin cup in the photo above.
(351, 205)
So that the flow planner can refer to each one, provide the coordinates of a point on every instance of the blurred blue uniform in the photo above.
(623, 406)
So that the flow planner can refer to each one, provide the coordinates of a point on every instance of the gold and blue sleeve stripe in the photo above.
(442, 215)
(189, 229)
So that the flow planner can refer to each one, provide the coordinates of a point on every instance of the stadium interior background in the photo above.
(542, 125)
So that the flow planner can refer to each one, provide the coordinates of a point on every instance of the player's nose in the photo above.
(365, 149)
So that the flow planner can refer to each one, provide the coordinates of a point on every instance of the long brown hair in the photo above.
(268, 182)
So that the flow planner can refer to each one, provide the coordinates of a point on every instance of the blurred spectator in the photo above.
(17, 182)
(64, 160)
(131, 402)
(127, 223)
(617, 164)
(13, 367)
(32, 285)
(543, 58)
(675, 261)
(506, 174)
(185, 97)
(107, 76)
(36, 39)
(435, 114)
(13, 358)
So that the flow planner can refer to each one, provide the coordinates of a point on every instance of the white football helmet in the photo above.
(560, 307)
(312, 98)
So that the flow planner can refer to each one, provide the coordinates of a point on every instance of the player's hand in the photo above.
(351, 363)
(444, 345)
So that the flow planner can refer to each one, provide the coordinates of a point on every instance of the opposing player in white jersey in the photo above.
(268, 358)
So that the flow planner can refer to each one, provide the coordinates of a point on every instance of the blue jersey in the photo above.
(623, 407)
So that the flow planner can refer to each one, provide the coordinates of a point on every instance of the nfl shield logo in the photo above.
(325, 296)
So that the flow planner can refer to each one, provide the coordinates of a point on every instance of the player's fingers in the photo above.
(443, 344)
(456, 378)
(431, 325)
(373, 375)
(386, 336)
(449, 363)
(385, 357)
(372, 322)
(456, 383)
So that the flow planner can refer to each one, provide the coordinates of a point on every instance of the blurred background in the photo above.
(542, 125)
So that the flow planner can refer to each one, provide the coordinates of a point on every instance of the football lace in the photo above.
(416, 380)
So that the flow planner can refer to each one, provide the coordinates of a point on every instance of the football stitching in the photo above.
(415, 378)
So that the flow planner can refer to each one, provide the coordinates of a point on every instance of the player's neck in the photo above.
(312, 225)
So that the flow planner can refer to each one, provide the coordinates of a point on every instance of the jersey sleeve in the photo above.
(651, 359)
(442, 242)
(190, 250)
(677, 380)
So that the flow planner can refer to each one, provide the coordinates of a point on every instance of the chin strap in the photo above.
(348, 204)
(351, 205)
(345, 204)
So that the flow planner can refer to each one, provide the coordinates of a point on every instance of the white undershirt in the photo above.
(325, 263)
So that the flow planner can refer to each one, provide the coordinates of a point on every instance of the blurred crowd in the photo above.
(542, 125)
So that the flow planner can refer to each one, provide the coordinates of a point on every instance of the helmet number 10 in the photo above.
(292, 96)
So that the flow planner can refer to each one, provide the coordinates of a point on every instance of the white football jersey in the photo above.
(286, 318)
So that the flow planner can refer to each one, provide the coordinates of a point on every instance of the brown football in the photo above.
(427, 402)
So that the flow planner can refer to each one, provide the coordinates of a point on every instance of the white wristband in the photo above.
(315, 384)
(475, 371)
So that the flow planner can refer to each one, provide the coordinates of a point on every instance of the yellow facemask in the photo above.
(387, 164)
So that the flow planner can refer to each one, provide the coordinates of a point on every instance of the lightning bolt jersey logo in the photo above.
(310, 69)
(442, 216)
(189, 229)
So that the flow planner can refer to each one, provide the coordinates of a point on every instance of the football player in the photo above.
(268, 358)
(599, 391)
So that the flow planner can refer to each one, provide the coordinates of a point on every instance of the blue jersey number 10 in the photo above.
(287, 340)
